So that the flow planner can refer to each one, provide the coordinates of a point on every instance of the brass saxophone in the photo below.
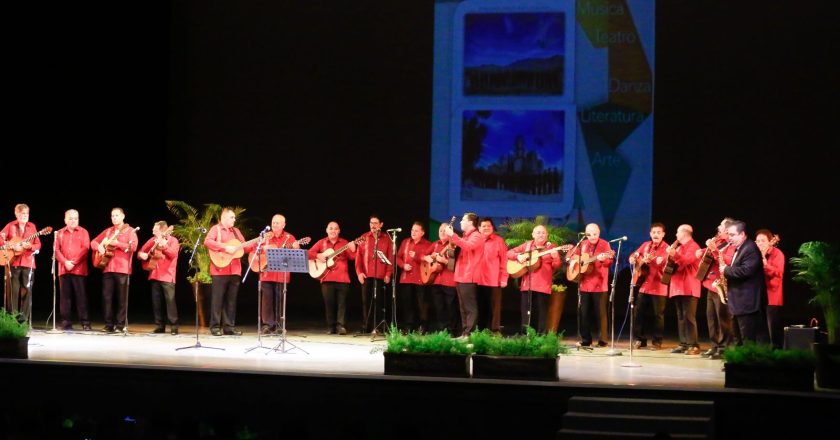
(720, 282)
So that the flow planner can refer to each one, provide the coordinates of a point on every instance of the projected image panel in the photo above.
(514, 54)
(514, 162)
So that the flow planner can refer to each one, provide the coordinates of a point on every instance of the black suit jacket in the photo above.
(747, 290)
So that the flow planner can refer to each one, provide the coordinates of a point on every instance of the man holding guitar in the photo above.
(227, 241)
(718, 317)
(21, 238)
(413, 300)
(444, 296)
(593, 282)
(160, 258)
(492, 277)
(72, 246)
(538, 280)
(684, 289)
(653, 295)
(335, 282)
(271, 283)
(774, 269)
(114, 247)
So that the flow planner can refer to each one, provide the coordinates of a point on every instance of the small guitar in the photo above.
(318, 269)
(670, 265)
(706, 262)
(102, 260)
(155, 253)
(641, 268)
(429, 271)
(263, 260)
(516, 269)
(582, 264)
(8, 252)
(223, 259)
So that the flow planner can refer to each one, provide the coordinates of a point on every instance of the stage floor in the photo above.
(311, 352)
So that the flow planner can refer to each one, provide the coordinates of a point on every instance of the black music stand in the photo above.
(286, 261)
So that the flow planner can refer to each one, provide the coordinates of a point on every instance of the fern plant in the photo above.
(531, 344)
(11, 327)
(764, 354)
(191, 222)
(818, 265)
(435, 343)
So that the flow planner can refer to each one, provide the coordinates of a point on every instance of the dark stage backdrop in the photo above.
(321, 110)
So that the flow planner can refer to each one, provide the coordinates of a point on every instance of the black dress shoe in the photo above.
(215, 332)
(159, 330)
(602, 343)
(341, 330)
(108, 329)
(86, 327)
(679, 350)
(709, 352)
(173, 330)
(233, 332)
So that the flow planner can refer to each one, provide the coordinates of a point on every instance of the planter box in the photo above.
(514, 367)
(769, 377)
(828, 364)
(14, 348)
(426, 364)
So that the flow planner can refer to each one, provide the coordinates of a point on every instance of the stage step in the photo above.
(603, 417)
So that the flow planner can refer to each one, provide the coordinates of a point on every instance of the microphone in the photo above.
(266, 229)
(203, 230)
(394, 230)
(619, 239)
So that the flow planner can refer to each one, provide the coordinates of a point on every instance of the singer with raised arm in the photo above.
(160, 257)
(538, 280)
(21, 243)
(649, 312)
(593, 258)
(684, 289)
(335, 281)
(466, 269)
(72, 246)
(271, 283)
(226, 271)
(373, 273)
(413, 300)
(718, 317)
(492, 277)
(113, 248)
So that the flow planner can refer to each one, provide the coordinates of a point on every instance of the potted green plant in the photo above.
(430, 354)
(530, 356)
(14, 339)
(818, 265)
(518, 231)
(760, 366)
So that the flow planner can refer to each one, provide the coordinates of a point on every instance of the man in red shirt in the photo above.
(538, 280)
(593, 283)
(649, 311)
(492, 278)
(444, 295)
(413, 301)
(72, 245)
(373, 274)
(115, 245)
(466, 269)
(336, 281)
(162, 276)
(684, 289)
(22, 265)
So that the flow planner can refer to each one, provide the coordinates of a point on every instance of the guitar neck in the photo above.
(343, 248)
(251, 241)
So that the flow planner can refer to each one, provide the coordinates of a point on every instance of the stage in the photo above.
(140, 385)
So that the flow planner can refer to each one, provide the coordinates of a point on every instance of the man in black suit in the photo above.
(746, 288)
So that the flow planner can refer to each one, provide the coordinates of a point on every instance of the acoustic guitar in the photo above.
(516, 269)
(582, 264)
(156, 253)
(8, 252)
(223, 259)
(641, 269)
(706, 262)
(429, 271)
(318, 269)
(263, 260)
(670, 265)
(102, 260)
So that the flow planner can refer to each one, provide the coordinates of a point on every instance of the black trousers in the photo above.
(414, 305)
(271, 303)
(21, 294)
(489, 307)
(373, 313)
(753, 327)
(73, 287)
(537, 308)
(687, 320)
(590, 317)
(719, 319)
(335, 303)
(164, 292)
(224, 291)
(447, 310)
(774, 326)
(649, 315)
(115, 284)
(469, 306)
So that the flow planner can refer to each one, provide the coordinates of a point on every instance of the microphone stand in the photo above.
(393, 281)
(612, 351)
(53, 269)
(256, 256)
(632, 303)
(128, 281)
(29, 289)
(578, 346)
(196, 286)
(530, 293)
(372, 305)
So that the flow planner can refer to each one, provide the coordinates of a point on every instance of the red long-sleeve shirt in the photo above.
(773, 272)
(539, 280)
(421, 248)
(653, 281)
(472, 249)
(596, 280)
(446, 277)
(26, 258)
(367, 261)
(124, 246)
(285, 239)
(217, 239)
(339, 273)
(72, 246)
(683, 280)
(493, 268)
(166, 265)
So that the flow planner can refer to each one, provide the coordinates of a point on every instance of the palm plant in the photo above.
(518, 231)
(818, 265)
(191, 223)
